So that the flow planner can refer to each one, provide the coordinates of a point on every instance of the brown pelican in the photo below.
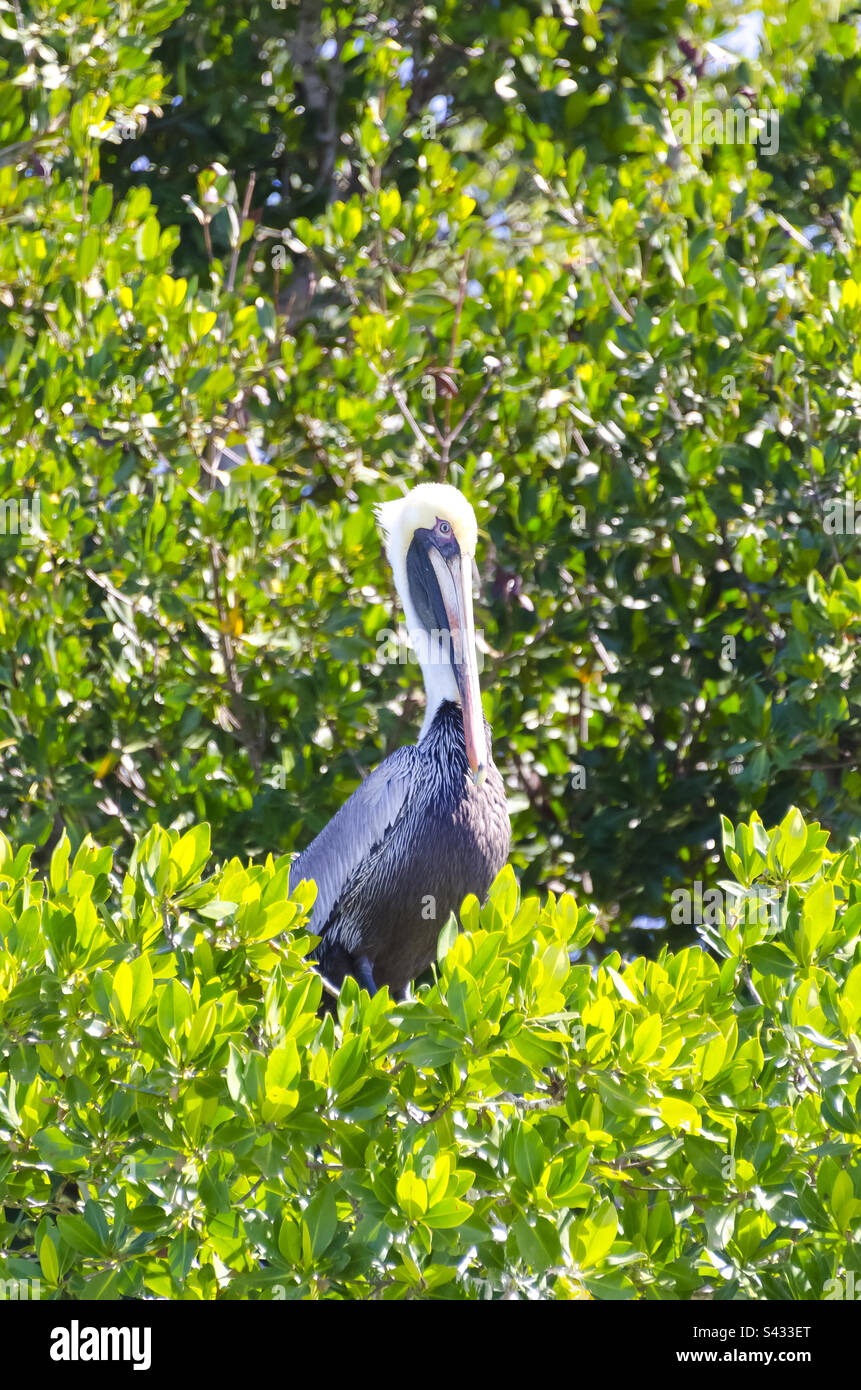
(430, 824)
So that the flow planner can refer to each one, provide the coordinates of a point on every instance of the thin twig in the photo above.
(470, 411)
(246, 207)
(404, 408)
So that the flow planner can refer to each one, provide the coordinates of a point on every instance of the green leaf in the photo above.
(790, 841)
(76, 1233)
(529, 1156)
(132, 988)
(148, 239)
(321, 1220)
(817, 919)
(100, 204)
(647, 1039)
(60, 864)
(174, 1010)
(594, 1235)
(447, 938)
(60, 1151)
(842, 1201)
(191, 852)
(48, 1261)
(202, 1028)
(412, 1195)
(772, 959)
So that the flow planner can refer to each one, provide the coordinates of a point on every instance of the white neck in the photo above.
(438, 676)
(434, 658)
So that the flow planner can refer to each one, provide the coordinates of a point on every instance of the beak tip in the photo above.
(479, 774)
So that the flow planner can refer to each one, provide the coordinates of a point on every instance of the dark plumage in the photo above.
(443, 837)
(430, 825)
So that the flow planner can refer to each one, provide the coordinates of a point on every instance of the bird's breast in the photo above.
(452, 840)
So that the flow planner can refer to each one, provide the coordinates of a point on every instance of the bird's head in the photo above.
(430, 536)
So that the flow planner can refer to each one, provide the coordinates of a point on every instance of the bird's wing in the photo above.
(362, 822)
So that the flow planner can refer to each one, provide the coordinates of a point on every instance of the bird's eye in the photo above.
(444, 528)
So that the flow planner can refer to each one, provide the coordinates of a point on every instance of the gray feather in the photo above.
(350, 836)
(405, 850)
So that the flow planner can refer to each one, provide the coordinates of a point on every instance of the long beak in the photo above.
(455, 585)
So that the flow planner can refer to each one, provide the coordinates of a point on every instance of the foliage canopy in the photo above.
(260, 269)
(180, 1123)
(257, 272)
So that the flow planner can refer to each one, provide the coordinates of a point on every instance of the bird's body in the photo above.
(430, 824)
(436, 837)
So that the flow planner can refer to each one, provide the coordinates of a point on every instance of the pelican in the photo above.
(430, 824)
